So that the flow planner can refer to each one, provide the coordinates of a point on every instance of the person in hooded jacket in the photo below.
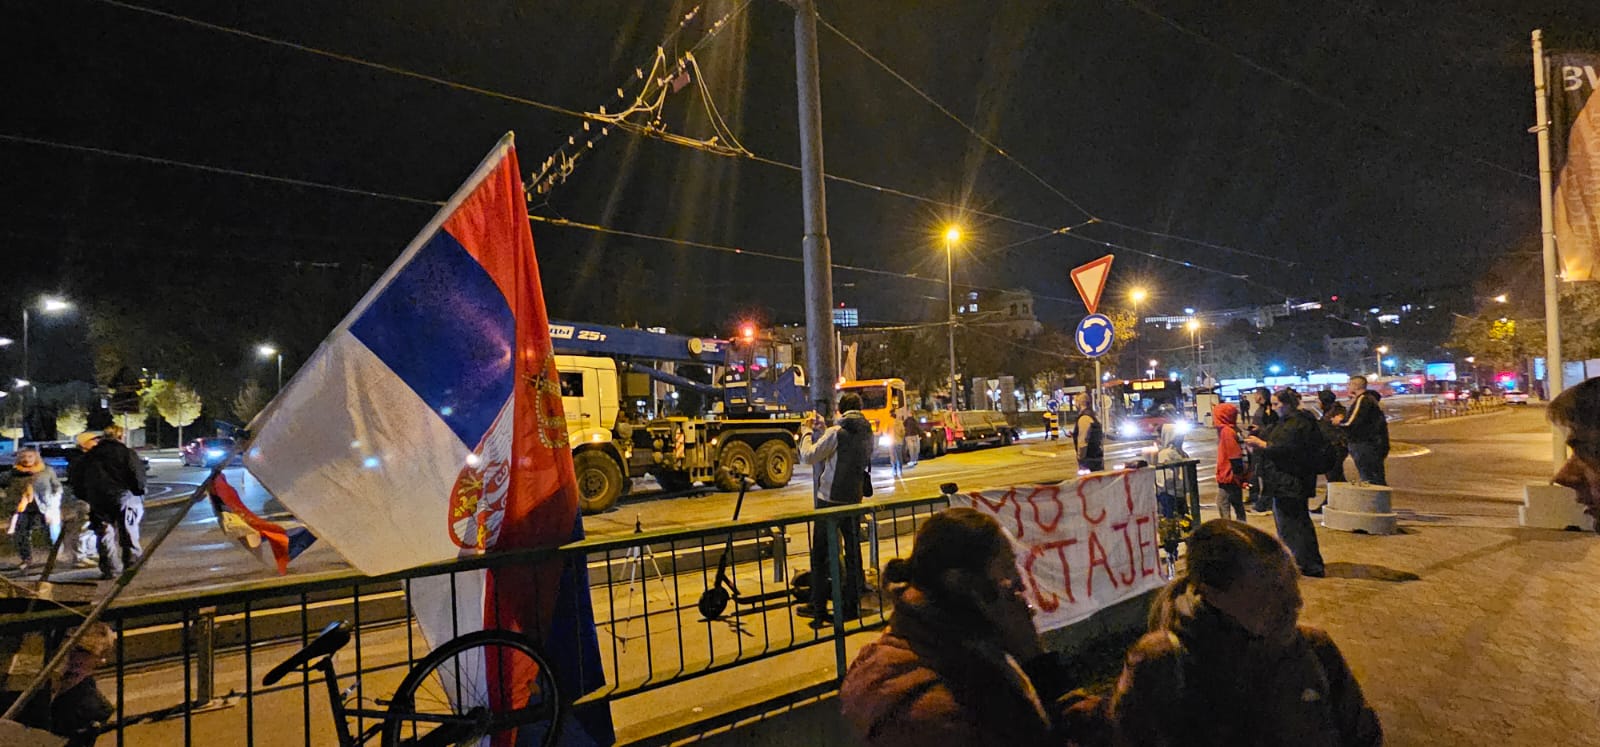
(1366, 432)
(1226, 661)
(960, 663)
(1232, 474)
(34, 494)
(841, 457)
(1287, 450)
(110, 478)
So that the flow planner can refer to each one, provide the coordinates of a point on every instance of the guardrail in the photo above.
(1442, 408)
(186, 668)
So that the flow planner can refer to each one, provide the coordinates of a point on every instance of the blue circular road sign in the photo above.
(1094, 335)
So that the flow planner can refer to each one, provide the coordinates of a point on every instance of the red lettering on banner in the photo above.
(994, 506)
(1037, 551)
(1083, 500)
(1127, 490)
(1054, 494)
(1127, 578)
(1101, 559)
(1138, 530)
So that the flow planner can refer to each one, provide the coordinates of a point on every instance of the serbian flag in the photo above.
(268, 540)
(428, 427)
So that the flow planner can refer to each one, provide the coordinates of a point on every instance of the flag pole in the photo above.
(1552, 292)
(126, 578)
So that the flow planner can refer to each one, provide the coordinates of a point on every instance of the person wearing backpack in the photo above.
(1292, 453)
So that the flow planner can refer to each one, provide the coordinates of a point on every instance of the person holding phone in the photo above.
(961, 662)
(841, 457)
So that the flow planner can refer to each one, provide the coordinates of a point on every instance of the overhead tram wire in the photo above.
(980, 137)
(558, 222)
(669, 138)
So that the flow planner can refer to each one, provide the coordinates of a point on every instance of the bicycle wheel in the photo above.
(491, 683)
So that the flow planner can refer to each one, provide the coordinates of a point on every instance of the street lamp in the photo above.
(1137, 296)
(49, 305)
(1502, 298)
(1275, 369)
(1193, 325)
(952, 234)
(266, 350)
(1380, 350)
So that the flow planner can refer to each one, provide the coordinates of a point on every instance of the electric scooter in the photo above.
(714, 602)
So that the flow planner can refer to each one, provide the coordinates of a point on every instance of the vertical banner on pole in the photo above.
(1574, 123)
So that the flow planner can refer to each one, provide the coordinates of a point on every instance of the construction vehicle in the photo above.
(747, 422)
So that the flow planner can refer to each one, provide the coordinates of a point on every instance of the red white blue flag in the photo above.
(428, 427)
(269, 541)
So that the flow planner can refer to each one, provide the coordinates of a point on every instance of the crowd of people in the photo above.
(1225, 660)
(108, 486)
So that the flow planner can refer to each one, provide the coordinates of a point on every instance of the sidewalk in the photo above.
(1467, 635)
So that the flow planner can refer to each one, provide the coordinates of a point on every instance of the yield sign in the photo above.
(1091, 280)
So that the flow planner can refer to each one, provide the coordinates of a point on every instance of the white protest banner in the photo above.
(1082, 545)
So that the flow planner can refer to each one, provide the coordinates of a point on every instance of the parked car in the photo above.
(983, 427)
(208, 452)
(1516, 397)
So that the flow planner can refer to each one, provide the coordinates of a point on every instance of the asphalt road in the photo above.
(1464, 470)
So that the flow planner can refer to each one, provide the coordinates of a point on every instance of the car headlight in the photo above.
(1129, 430)
(1182, 427)
(886, 440)
(215, 453)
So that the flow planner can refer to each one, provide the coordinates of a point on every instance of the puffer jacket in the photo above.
(46, 492)
(841, 455)
(939, 678)
(1230, 455)
(1200, 679)
(1290, 448)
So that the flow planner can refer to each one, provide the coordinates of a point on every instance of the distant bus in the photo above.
(1141, 406)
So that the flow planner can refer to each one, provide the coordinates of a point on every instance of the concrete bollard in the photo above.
(1359, 508)
(1546, 506)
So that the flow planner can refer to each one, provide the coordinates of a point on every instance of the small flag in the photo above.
(270, 541)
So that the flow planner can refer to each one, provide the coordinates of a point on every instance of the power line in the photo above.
(1318, 95)
(659, 134)
(560, 222)
(980, 137)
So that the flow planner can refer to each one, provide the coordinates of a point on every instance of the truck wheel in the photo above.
(774, 464)
(599, 481)
(674, 481)
(736, 456)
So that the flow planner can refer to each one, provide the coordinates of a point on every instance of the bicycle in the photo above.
(525, 703)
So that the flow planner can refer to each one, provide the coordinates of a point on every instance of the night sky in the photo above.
(1363, 147)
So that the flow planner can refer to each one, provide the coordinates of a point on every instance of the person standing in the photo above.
(1231, 471)
(1287, 450)
(913, 431)
(110, 479)
(896, 431)
(1366, 432)
(34, 495)
(1262, 417)
(841, 457)
(1332, 412)
(1088, 438)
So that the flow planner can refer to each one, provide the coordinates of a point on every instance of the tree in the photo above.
(178, 405)
(248, 401)
(71, 420)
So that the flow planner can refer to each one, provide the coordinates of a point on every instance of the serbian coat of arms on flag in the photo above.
(428, 427)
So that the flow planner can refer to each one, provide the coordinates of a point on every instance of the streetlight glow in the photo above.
(6, 341)
(1192, 325)
(266, 351)
(1382, 349)
(1275, 369)
(1153, 362)
(952, 234)
(1500, 298)
(54, 305)
(1138, 295)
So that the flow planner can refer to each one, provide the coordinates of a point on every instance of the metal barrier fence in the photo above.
(1442, 408)
(186, 668)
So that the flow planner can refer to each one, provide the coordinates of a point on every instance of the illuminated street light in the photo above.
(1500, 298)
(21, 383)
(6, 342)
(1381, 350)
(268, 351)
(1137, 296)
(952, 234)
(1275, 369)
(1472, 359)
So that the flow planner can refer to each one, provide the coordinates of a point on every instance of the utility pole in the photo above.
(950, 312)
(1552, 311)
(821, 357)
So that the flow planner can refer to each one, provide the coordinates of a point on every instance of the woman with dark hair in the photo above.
(1577, 411)
(1226, 662)
(961, 663)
